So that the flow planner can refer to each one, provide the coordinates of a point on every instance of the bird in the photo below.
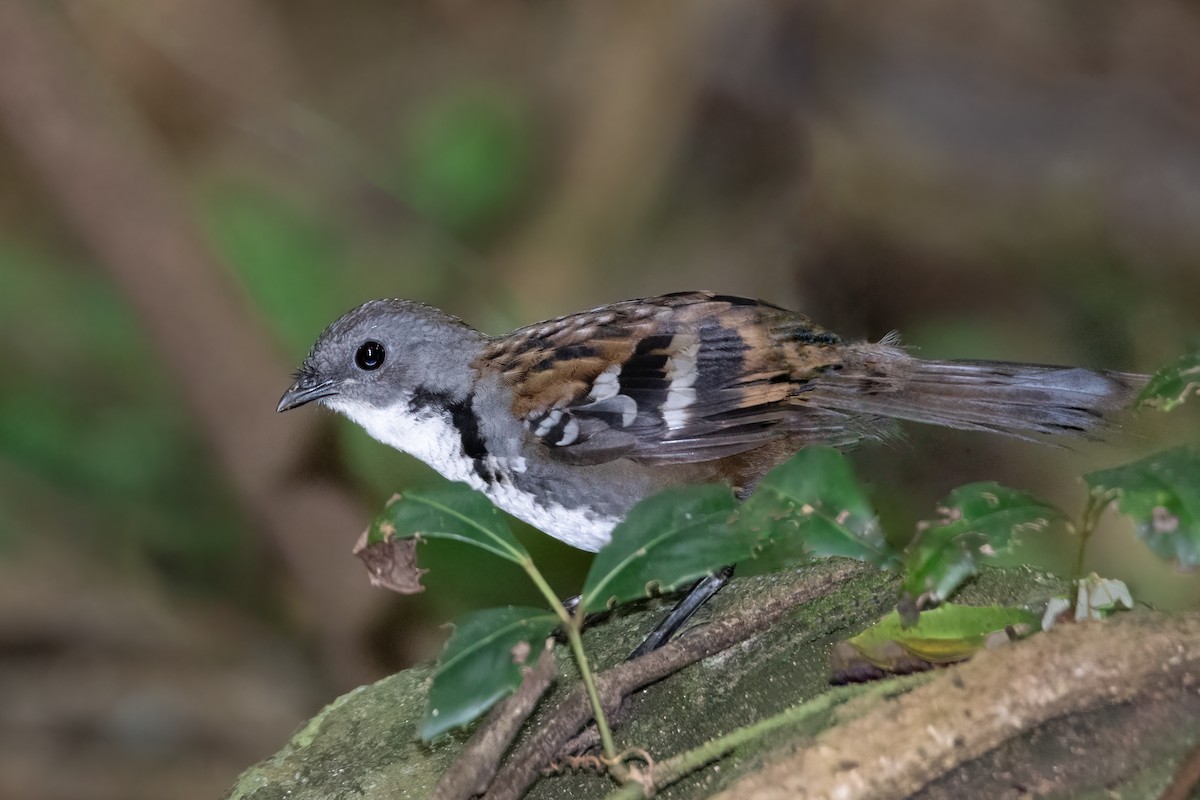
(568, 423)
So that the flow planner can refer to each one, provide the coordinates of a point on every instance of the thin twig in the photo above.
(1187, 777)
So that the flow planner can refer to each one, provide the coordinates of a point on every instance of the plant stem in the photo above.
(1087, 526)
(556, 605)
(585, 673)
(571, 626)
(671, 770)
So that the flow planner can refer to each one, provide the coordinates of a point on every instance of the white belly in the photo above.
(434, 440)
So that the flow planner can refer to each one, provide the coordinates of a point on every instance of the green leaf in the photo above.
(812, 506)
(943, 635)
(1162, 494)
(666, 541)
(482, 664)
(977, 521)
(1172, 384)
(456, 512)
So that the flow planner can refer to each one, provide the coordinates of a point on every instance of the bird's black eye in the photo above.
(369, 356)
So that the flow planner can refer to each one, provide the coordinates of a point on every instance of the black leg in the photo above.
(697, 596)
(572, 603)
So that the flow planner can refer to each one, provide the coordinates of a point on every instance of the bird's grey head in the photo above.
(380, 353)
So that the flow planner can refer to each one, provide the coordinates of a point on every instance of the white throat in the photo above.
(430, 436)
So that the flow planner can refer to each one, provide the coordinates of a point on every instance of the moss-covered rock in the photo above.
(364, 744)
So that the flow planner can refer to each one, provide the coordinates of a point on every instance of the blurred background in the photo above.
(190, 192)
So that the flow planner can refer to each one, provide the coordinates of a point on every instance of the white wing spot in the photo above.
(570, 433)
(630, 412)
(674, 411)
(681, 369)
(548, 422)
(606, 385)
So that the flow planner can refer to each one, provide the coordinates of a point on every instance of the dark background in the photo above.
(190, 191)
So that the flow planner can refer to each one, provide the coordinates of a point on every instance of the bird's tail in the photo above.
(1022, 400)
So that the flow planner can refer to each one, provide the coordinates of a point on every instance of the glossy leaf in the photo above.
(976, 522)
(456, 512)
(1172, 384)
(810, 507)
(1162, 494)
(666, 541)
(482, 664)
(943, 635)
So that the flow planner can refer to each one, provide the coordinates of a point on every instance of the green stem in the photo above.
(1087, 526)
(667, 772)
(572, 628)
(589, 683)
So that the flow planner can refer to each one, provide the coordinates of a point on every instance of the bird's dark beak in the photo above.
(304, 391)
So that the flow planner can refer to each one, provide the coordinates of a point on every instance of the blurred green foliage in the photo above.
(290, 261)
(389, 157)
(465, 159)
(300, 270)
(103, 453)
(1171, 386)
(992, 190)
(1161, 493)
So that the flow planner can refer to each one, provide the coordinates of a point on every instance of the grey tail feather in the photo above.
(1021, 400)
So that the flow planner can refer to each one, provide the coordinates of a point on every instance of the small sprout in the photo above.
(1173, 384)
(976, 522)
(1161, 494)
